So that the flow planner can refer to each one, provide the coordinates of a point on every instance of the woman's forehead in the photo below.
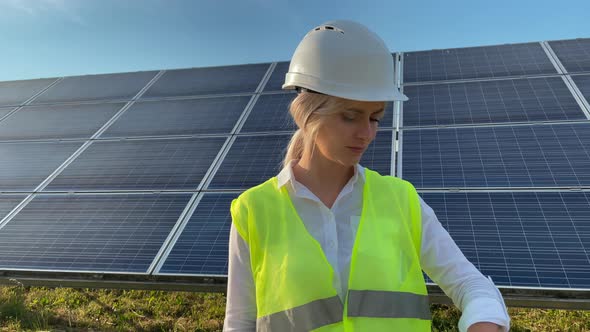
(366, 106)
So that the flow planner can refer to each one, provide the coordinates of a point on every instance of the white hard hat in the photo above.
(344, 59)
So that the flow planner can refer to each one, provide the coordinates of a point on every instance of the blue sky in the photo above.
(51, 38)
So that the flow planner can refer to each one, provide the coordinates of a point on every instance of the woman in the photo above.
(328, 245)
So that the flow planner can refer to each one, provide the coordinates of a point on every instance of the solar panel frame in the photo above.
(574, 54)
(488, 102)
(184, 117)
(498, 156)
(91, 230)
(463, 63)
(123, 86)
(57, 121)
(162, 164)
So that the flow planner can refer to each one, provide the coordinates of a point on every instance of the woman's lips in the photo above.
(356, 149)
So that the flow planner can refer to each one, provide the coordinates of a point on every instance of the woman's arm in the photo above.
(475, 295)
(240, 311)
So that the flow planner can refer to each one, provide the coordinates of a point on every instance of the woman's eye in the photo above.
(347, 117)
(376, 120)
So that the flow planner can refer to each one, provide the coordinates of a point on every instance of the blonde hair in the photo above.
(309, 111)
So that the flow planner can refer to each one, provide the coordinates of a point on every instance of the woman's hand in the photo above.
(484, 327)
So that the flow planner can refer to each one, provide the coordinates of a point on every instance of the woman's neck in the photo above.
(323, 177)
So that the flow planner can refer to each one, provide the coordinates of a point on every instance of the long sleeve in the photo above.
(240, 312)
(475, 295)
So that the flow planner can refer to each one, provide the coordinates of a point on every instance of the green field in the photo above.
(66, 309)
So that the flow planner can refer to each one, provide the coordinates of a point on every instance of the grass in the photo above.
(66, 309)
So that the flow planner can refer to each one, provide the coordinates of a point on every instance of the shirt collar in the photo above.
(286, 175)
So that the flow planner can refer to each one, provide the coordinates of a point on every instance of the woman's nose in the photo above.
(365, 129)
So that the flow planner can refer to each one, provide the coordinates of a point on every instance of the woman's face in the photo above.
(344, 136)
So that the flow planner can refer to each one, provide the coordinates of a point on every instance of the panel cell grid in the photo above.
(583, 84)
(96, 87)
(23, 166)
(476, 62)
(4, 111)
(9, 202)
(14, 93)
(158, 164)
(518, 156)
(277, 78)
(533, 239)
(573, 54)
(378, 155)
(101, 233)
(202, 247)
(519, 100)
(179, 117)
(252, 160)
(57, 122)
(271, 113)
(210, 80)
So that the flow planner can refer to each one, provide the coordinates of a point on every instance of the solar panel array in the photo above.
(132, 174)
(497, 141)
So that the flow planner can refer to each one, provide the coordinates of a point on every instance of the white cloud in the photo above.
(42, 7)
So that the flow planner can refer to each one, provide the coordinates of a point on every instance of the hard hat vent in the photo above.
(328, 27)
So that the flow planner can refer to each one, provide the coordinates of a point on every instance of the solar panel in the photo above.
(155, 164)
(518, 156)
(276, 80)
(379, 154)
(53, 122)
(202, 247)
(24, 166)
(9, 202)
(271, 113)
(15, 93)
(514, 100)
(573, 54)
(476, 62)
(583, 84)
(533, 239)
(211, 80)
(96, 87)
(179, 117)
(4, 111)
(101, 233)
(252, 160)
(508, 175)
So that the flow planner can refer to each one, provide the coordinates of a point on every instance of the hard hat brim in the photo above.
(342, 90)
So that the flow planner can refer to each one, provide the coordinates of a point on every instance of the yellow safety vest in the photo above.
(293, 278)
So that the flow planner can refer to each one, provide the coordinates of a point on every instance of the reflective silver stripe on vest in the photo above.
(306, 317)
(388, 304)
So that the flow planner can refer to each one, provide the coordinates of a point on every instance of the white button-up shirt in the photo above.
(335, 230)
